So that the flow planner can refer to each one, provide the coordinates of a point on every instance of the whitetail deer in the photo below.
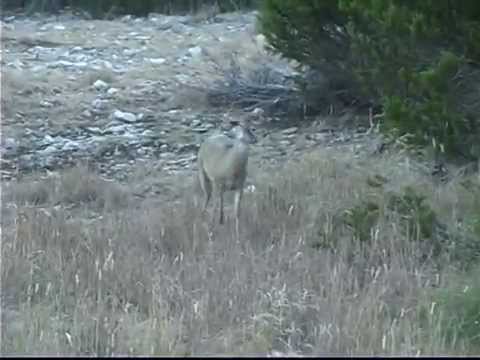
(222, 165)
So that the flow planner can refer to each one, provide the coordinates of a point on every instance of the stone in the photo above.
(195, 51)
(156, 61)
(100, 84)
(112, 91)
(125, 116)
(290, 131)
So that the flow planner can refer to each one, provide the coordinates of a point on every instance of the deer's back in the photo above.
(224, 160)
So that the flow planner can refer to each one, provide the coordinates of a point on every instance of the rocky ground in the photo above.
(122, 94)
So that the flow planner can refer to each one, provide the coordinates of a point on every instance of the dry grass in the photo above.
(155, 279)
(15, 86)
(50, 98)
(75, 187)
(87, 268)
(241, 58)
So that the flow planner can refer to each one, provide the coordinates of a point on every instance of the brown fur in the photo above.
(222, 165)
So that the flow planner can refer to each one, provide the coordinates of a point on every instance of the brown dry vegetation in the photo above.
(89, 267)
(50, 96)
(116, 276)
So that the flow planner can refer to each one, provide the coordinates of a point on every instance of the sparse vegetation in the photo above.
(244, 79)
(409, 205)
(152, 279)
(76, 186)
(457, 310)
(339, 251)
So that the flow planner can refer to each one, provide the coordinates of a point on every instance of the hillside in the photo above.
(345, 247)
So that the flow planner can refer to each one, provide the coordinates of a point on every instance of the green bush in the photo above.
(417, 217)
(306, 31)
(416, 58)
(419, 222)
(458, 309)
(362, 218)
(465, 249)
(291, 27)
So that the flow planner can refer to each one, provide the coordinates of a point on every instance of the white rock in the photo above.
(50, 149)
(46, 104)
(65, 63)
(100, 84)
(48, 139)
(95, 130)
(71, 145)
(290, 131)
(195, 51)
(132, 137)
(79, 58)
(7, 26)
(125, 116)
(130, 52)
(10, 144)
(157, 61)
(87, 113)
(258, 112)
(107, 64)
(17, 64)
(261, 40)
(37, 68)
(112, 91)
(118, 129)
(120, 70)
(80, 64)
(99, 104)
